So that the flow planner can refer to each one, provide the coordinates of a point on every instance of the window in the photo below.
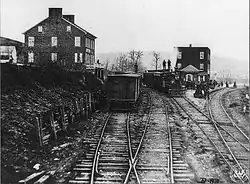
(80, 57)
(93, 59)
(201, 55)
(40, 28)
(92, 45)
(54, 56)
(76, 58)
(89, 43)
(53, 41)
(87, 58)
(68, 28)
(179, 55)
(179, 65)
(31, 57)
(31, 41)
(87, 50)
(189, 77)
(77, 41)
(202, 66)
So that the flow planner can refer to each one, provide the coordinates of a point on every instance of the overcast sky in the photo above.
(120, 25)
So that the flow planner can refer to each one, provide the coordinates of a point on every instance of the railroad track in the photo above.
(110, 158)
(237, 140)
(235, 116)
(139, 147)
(215, 133)
(159, 159)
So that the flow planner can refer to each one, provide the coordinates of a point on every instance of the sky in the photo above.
(160, 25)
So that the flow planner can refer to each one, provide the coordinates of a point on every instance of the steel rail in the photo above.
(96, 156)
(220, 126)
(234, 138)
(209, 140)
(232, 121)
(170, 160)
(131, 161)
(134, 158)
(224, 141)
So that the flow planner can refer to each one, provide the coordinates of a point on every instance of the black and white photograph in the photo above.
(124, 91)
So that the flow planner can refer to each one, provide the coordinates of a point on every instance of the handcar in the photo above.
(123, 90)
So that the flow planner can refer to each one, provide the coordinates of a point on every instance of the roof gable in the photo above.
(74, 25)
(78, 27)
(36, 25)
(190, 69)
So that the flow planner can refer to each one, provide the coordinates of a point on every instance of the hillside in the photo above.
(28, 93)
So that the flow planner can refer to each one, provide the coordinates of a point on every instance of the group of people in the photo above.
(202, 90)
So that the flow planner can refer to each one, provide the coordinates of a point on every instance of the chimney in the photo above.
(70, 18)
(55, 12)
(190, 45)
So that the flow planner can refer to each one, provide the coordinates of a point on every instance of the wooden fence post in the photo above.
(63, 118)
(86, 105)
(53, 125)
(39, 132)
(93, 101)
(81, 107)
(77, 110)
(89, 102)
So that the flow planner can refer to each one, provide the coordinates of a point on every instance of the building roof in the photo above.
(203, 73)
(125, 75)
(9, 42)
(190, 69)
(192, 47)
(72, 24)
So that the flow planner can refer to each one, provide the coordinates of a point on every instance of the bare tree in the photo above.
(122, 62)
(156, 58)
(126, 62)
(225, 75)
(107, 64)
(135, 58)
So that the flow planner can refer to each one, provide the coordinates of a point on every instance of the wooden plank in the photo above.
(39, 132)
(53, 126)
(31, 177)
(42, 179)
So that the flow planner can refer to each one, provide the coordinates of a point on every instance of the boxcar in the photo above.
(122, 90)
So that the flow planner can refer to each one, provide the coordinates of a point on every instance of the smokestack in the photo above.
(55, 12)
(70, 18)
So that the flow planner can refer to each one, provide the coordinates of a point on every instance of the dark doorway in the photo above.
(44, 57)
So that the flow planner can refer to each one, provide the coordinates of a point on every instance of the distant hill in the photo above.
(220, 66)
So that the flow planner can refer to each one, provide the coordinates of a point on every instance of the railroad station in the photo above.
(68, 115)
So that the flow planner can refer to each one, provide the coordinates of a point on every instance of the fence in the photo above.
(58, 121)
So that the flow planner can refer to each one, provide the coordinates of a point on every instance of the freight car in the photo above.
(164, 81)
(122, 90)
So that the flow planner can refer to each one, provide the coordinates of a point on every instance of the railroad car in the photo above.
(164, 81)
(123, 90)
